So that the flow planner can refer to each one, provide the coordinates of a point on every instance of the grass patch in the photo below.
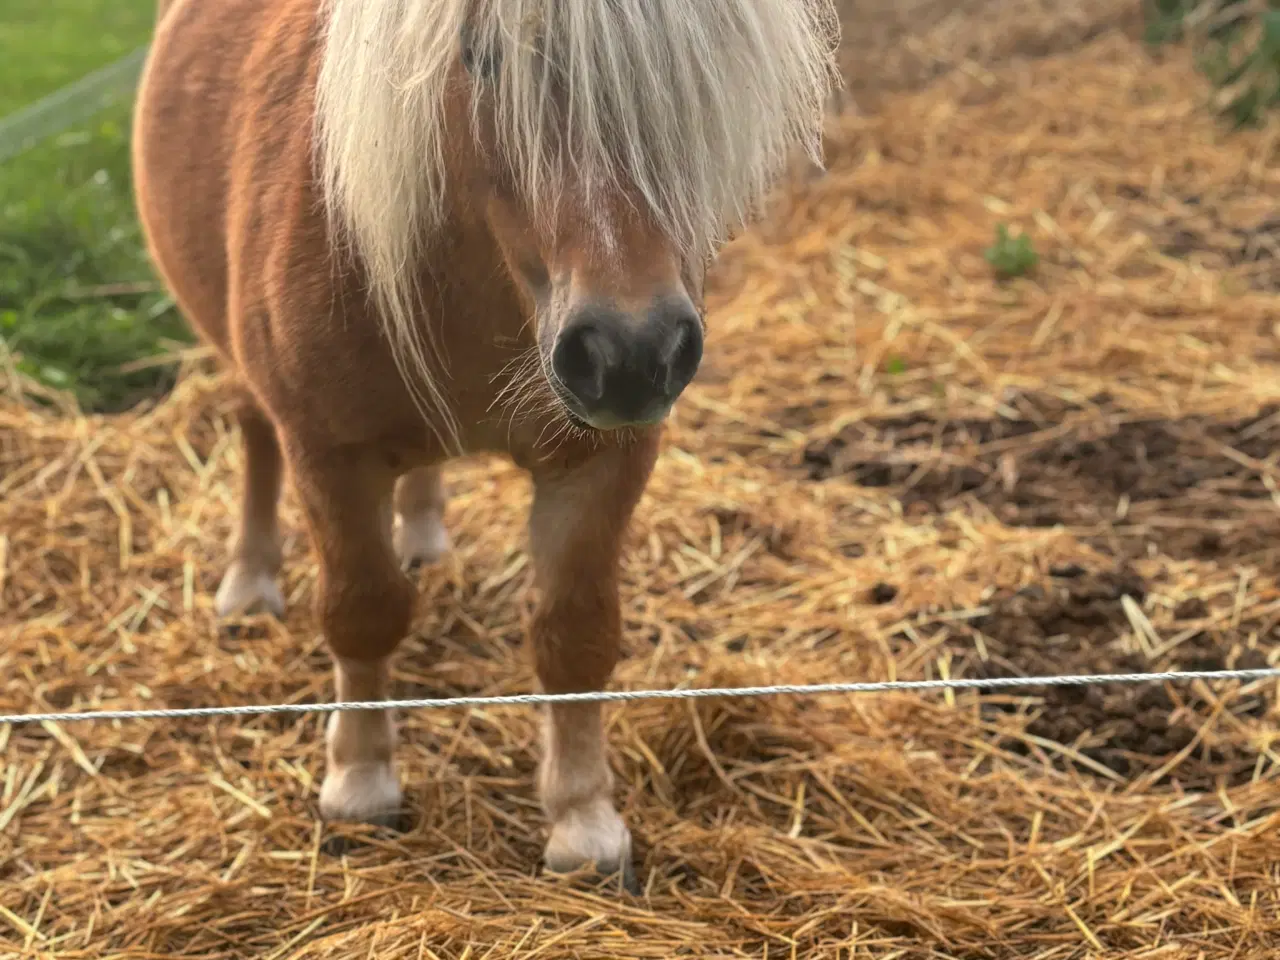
(79, 302)
(46, 44)
(1237, 44)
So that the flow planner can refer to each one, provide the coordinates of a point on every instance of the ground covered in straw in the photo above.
(892, 466)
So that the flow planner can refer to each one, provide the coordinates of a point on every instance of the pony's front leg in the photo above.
(578, 521)
(365, 606)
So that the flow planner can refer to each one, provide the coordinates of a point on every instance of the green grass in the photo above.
(46, 44)
(1010, 255)
(1237, 45)
(78, 298)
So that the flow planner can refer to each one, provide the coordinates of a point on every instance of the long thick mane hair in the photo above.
(693, 106)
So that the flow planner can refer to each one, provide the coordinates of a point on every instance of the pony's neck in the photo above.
(471, 293)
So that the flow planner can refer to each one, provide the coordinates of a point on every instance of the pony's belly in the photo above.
(191, 117)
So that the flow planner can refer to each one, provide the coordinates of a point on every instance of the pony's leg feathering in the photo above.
(249, 584)
(365, 606)
(577, 525)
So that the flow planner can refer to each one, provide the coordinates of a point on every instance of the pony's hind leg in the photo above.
(419, 533)
(249, 584)
(364, 604)
(577, 524)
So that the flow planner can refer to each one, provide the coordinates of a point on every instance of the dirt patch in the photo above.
(1176, 483)
(898, 45)
(1214, 232)
(1075, 623)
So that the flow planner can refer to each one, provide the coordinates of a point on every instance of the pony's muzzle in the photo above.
(619, 369)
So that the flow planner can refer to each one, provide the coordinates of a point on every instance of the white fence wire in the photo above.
(626, 696)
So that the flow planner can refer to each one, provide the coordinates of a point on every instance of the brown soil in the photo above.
(891, 46)
(1128, 485)
(1069, 625)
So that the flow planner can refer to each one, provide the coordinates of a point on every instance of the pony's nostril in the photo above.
(580, 360)
(683, 353)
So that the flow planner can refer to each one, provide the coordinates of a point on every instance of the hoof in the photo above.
(367, 793)
(618, 876)
(389, 823)
(595, 839)
(626, 877)
(245, 592)
(630, 881)
(420, 541)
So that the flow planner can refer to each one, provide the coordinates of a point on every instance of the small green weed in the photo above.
(1011, 256)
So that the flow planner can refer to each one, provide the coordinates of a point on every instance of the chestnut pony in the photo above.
(416, 229)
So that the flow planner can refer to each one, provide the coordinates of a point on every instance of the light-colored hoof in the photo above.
(245, 591)
(364, 793)
(420, 541)
(592, 837)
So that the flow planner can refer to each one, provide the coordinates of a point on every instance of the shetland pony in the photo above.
(415, 229)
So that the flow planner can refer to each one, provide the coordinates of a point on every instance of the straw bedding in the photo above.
(892, 465)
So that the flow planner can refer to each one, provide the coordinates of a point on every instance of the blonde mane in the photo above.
(695, 106)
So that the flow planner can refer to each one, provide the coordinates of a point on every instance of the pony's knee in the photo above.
(577, 639)
(364, 616)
